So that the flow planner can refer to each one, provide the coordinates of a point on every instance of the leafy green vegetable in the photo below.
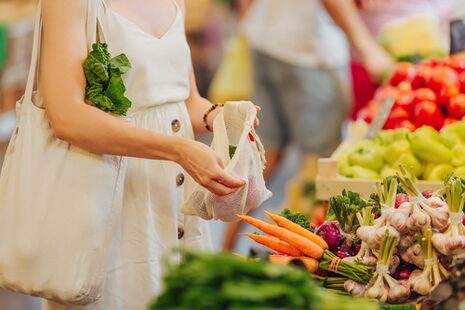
(232, 150)
(224, 281)
(345, 208)
(297, 218)
(105, 87)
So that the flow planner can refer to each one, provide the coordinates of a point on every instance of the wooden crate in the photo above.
(330, 183)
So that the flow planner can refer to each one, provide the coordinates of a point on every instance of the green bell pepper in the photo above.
(409, 160)
(395, 150)
(386, 137)
(359, 172)
(438, 172)
(460, 172)
(429, 149)
(370, 157)
(451, 139)
(388, 171)
(427, 131)
(458, 155)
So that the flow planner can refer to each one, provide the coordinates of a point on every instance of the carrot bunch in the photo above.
(294, 240)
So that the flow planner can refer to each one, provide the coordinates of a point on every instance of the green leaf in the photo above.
(105, 88)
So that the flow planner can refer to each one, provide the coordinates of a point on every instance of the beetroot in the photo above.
(344, 251)
(400, 199)
(330, 232)
(402, 272)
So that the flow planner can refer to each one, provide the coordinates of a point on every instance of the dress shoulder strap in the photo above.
(94, 27)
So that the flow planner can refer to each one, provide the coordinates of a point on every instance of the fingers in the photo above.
(229, 181)
(219, 189)
(220, 162)
(256, 123)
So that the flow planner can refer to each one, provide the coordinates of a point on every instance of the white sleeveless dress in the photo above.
(151, 224)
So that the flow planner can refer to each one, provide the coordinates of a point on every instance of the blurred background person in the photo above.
(301, 80)
(363, 22)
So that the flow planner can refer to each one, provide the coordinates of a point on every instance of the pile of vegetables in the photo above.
(225, 281)
(432, 154)
(404, 239)
(431, 93)
(307, 244)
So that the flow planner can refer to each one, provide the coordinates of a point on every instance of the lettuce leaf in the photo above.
(105, 87)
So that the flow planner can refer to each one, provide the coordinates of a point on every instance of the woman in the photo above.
(166, 106)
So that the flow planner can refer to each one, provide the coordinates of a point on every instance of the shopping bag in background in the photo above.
(233, 80)
(457, 36)
(407, 38)
(235, 140)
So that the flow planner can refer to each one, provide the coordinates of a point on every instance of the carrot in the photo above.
(306, 246)
(296, 228)
(280, 259)
(311, 264)
(275, 244)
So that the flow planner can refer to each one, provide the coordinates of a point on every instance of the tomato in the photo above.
(423, 94)
(404, 71)
(456, 107)
(406, 124)
(422, 76)
(386, 91)
(428, 113)
(457, 62)
(449, 121)
(368, 113)
(442, 76)
(404, 100)
(434, 62)
(462, 82)
(447, 92)
(397, 115)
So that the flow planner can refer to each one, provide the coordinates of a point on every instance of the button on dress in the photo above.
(151, 224)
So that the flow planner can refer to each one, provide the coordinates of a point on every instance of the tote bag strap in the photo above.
(32, 76)
(93, 30)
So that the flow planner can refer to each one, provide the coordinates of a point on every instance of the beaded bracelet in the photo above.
(205, 116)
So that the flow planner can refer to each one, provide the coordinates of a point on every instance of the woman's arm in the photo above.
(345, 15)
(62, 85)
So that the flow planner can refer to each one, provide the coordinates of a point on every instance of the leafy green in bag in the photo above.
(105, 87)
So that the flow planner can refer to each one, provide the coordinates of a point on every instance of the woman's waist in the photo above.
(167, 118)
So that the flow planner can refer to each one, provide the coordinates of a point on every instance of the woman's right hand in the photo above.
(207, 168)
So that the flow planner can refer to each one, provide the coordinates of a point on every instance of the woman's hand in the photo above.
(207, 168)
(378, 62)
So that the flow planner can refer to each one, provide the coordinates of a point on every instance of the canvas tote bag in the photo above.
(240, 148)
(58, 203)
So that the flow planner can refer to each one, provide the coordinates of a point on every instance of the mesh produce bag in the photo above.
(236, 141)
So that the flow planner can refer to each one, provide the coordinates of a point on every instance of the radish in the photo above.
(400, 199)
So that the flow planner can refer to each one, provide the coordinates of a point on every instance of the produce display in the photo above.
(432, 154)
(431, 93)
(225, 281)
(406, 241)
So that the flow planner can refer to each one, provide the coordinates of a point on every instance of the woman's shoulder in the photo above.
(64, 10)
(182, 5)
